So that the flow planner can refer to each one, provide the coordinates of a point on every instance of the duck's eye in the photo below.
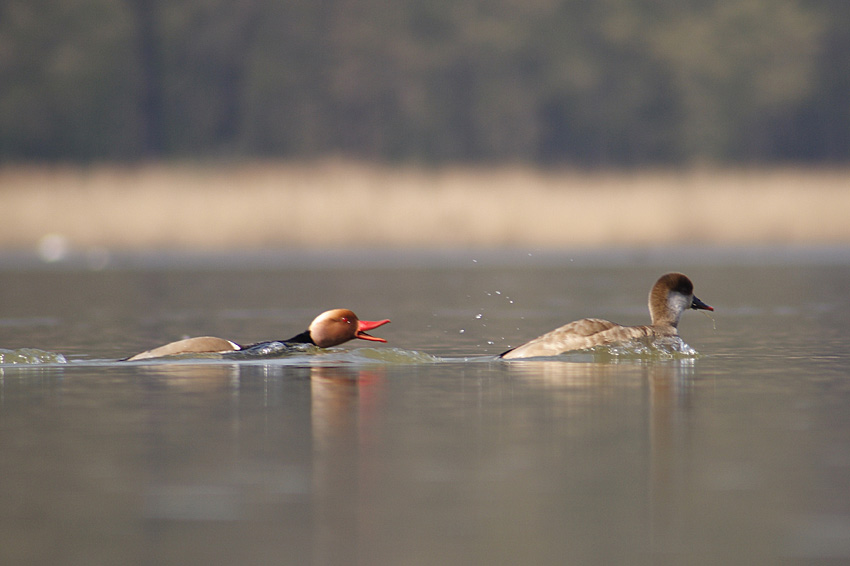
(345, 319)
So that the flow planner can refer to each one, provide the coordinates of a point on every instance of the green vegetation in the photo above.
(583, 82)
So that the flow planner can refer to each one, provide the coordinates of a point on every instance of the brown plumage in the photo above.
(671, 295)
(330, 328)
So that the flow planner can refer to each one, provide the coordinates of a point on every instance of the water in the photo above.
(428, 450)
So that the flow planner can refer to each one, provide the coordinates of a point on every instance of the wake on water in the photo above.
(644, 349)
(657, 349)
(30, 356)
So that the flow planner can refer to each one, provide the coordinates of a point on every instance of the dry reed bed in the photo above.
(340, 203)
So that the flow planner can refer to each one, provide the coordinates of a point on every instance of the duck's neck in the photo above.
(303, 338)
(665, 321)
(668, 312)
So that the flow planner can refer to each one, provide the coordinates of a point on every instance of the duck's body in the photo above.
(671, 295)
(329, 329)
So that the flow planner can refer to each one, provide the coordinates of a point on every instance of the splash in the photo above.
(270, 350)
(30, 356)
(666, 348)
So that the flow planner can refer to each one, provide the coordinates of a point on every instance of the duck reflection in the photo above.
(302, 439)
(337, 423)
(346, 404)
(342, 400)
(671, 389)
(665, 391)
(210, 378)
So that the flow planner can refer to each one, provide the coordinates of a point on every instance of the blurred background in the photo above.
(150, 123)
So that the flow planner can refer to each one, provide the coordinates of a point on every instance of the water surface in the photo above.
(427, 450)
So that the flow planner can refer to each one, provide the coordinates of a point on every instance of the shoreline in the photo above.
(342, 204)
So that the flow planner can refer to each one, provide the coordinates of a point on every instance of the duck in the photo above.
(671, 295)
(329, 329)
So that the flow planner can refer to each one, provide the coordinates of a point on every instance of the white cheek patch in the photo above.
(678, 303)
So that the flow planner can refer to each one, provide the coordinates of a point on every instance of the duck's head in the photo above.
(336, 326)
(672, 295)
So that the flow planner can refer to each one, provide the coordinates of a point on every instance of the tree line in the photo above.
(582, 82)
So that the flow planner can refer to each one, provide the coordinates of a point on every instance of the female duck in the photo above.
(329, 329)
(671, 295)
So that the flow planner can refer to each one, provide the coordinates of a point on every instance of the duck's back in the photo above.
(198, 345)
(578, 335)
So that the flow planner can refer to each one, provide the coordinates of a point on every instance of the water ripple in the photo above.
(30, 356)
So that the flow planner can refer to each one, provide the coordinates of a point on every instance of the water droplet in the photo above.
(462, 331)
(479, 316)
(713, 322)
(490, 342)
(498, 292)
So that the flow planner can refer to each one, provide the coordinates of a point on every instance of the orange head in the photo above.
(336, 326)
